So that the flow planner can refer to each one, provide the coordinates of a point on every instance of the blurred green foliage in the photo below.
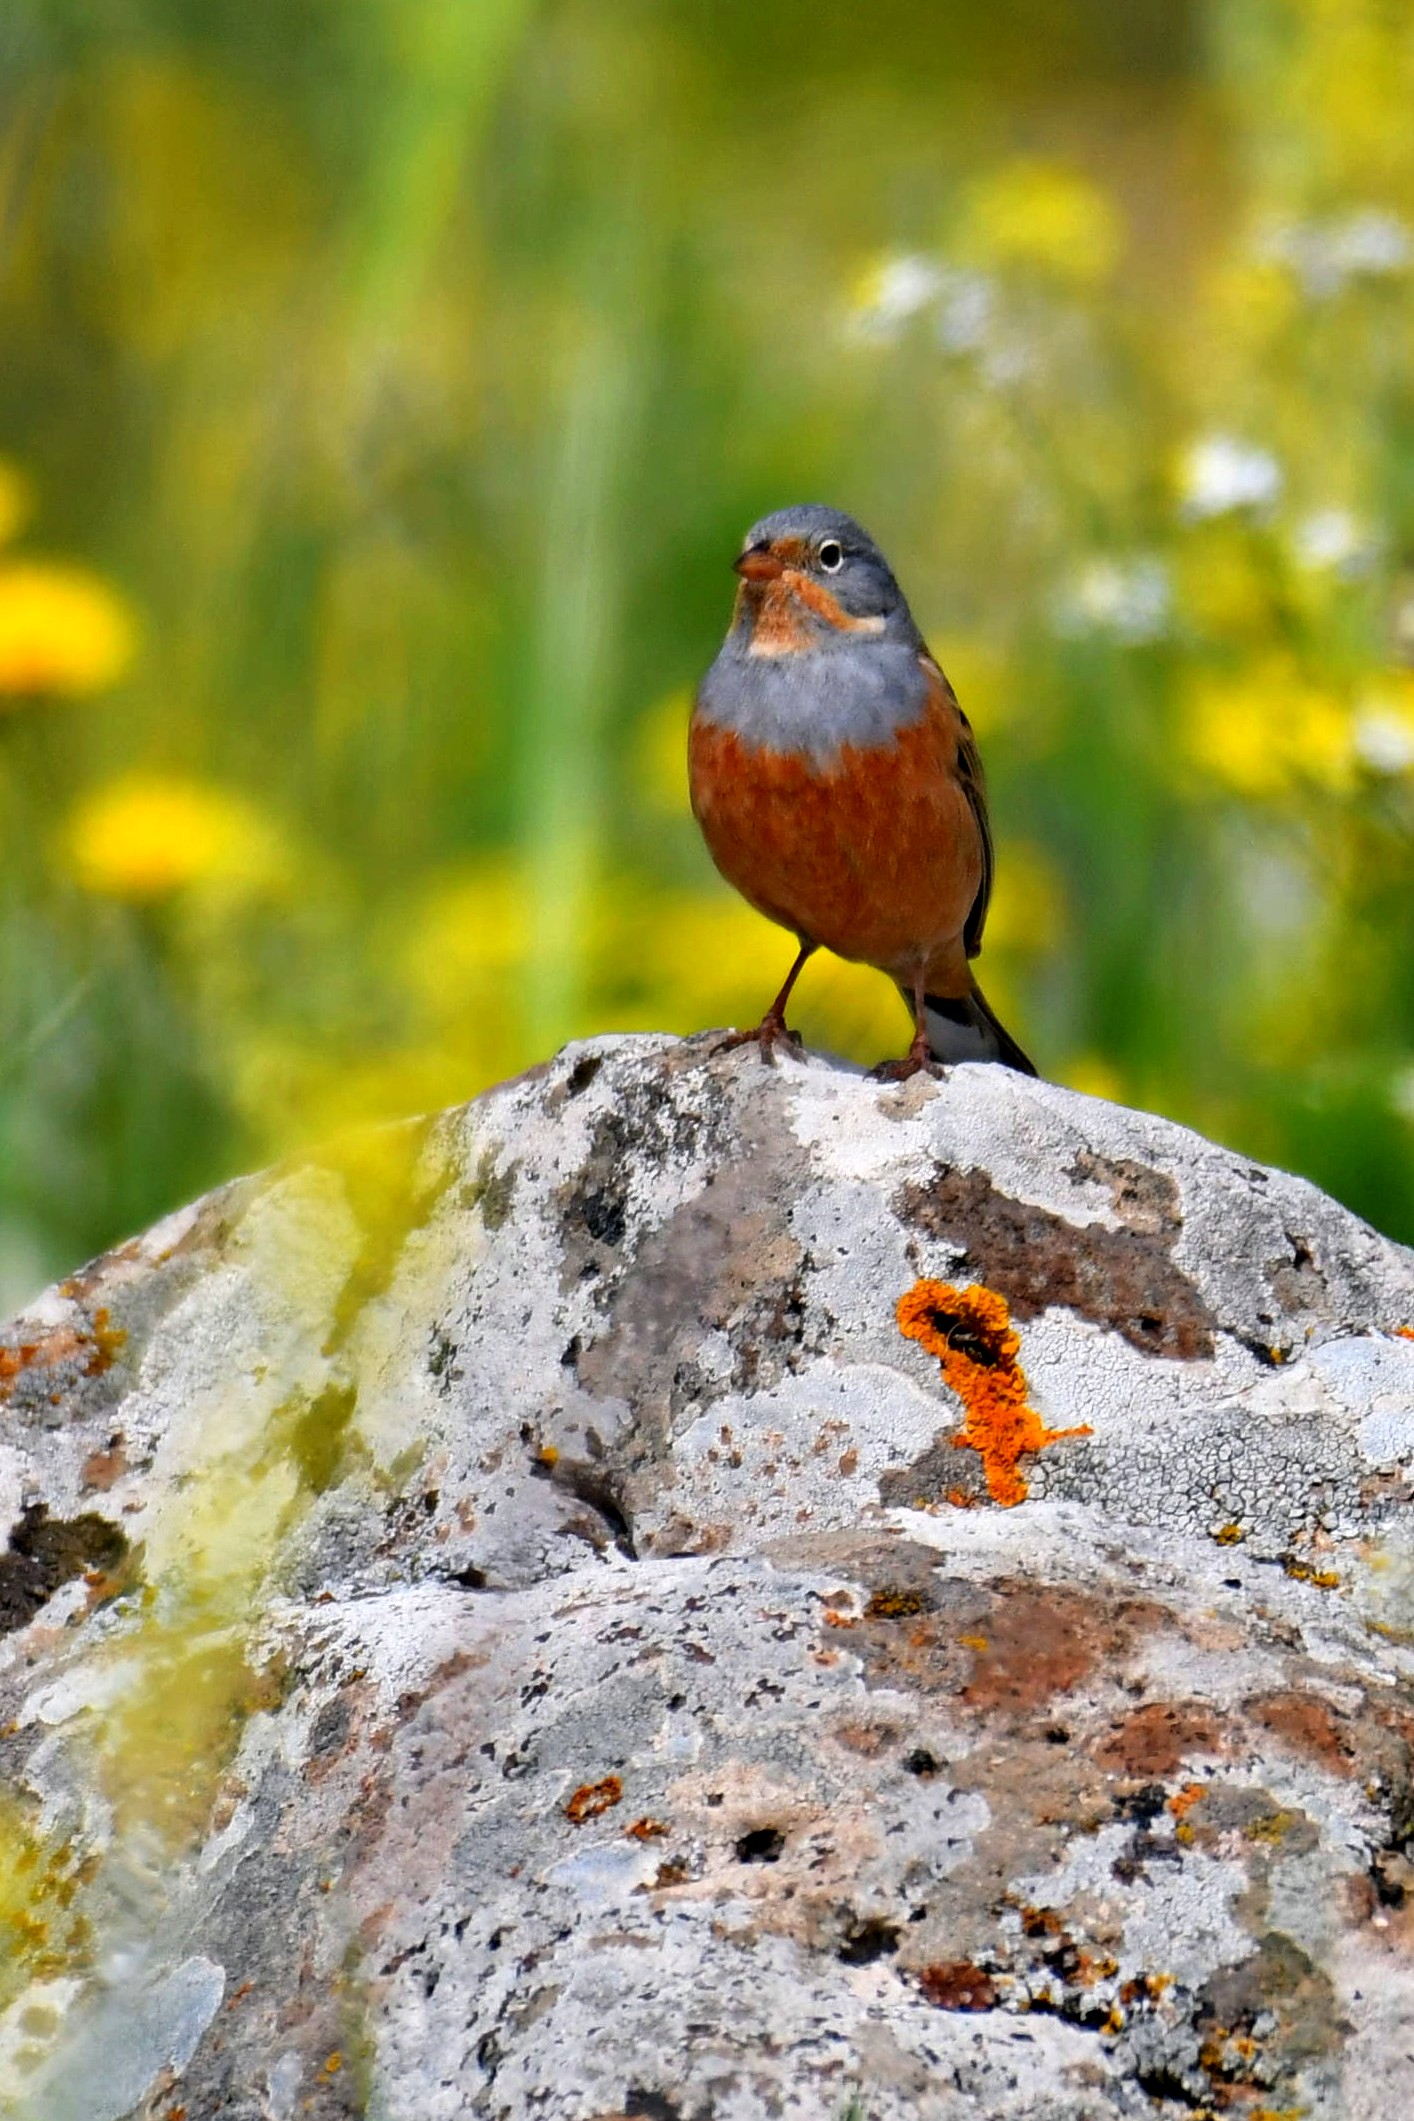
(386, 386)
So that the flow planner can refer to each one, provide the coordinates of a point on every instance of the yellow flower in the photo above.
(1269, 731)
(1027, 913)
(660, 753)
(1221, 586)
(465, 936)
(1042, 216)
(1094, 1076)
(148, 835)
(61, 629)
(14, 500)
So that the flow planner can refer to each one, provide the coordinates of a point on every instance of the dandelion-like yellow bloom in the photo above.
(466, 937)
(62, 630)
(1269, 732)
(1046, 218)
(1027, 912)
(1093, 1076)
(660, 754)
(148, 835)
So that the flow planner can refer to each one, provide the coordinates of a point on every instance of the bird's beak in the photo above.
(759, 563)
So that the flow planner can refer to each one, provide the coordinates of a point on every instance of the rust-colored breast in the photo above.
(879, 858)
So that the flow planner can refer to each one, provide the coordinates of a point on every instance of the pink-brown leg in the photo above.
(771, 1031)
(919, 1058)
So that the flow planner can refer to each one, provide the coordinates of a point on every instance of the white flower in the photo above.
(1130, 599)
(1383, 735)
(1220, 474)
(962, 307)
(1333, 537)
(965, 312)
(1367, 243)
(898, 291)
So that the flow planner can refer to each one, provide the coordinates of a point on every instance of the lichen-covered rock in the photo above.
(511, 1618)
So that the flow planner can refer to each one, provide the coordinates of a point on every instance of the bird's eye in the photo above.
(831, 556)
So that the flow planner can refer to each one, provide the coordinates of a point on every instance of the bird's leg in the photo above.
(919, 1058)
(771, 1031)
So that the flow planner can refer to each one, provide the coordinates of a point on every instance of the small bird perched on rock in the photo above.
(838, 786)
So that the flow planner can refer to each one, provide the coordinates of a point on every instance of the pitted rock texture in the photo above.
(495, 1622)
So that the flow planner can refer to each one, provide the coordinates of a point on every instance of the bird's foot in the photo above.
(917, 1061)
(771, 1033)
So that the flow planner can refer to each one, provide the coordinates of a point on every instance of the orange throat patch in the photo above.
(782, 611)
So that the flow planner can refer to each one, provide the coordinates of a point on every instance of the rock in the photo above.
(501, 1620)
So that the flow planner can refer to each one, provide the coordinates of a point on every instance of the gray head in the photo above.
(822, 650)
(817, 569)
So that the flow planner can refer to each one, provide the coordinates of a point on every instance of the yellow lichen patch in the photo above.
(62, 630)
(1273, 1826)
(1304, 1572)
(170, 1737)
(894, 1602)
(183, 1671)
(42, 1931)
(970, 1332)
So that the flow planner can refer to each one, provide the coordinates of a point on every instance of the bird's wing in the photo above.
(974, 786)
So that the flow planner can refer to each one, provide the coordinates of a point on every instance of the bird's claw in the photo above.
(903, 1071)
(770, 1033)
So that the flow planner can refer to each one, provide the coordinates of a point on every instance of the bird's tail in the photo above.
(966, 1030)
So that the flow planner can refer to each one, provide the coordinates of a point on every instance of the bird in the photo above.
(839, 788)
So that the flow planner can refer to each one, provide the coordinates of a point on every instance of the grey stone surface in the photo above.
(498, 1622)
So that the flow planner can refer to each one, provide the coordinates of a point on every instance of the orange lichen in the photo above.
(94, 1349)
(647, 1830)
(958, 1986)
(1145, 1988)
(971, 1334)
(1192, 1793)
(592, 1798)
(1404, 1332)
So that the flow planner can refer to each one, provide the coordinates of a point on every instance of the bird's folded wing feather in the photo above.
(974, 786)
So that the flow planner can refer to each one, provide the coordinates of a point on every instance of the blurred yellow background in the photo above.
(384, 389)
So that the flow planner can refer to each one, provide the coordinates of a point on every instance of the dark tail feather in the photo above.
(966, 1030)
